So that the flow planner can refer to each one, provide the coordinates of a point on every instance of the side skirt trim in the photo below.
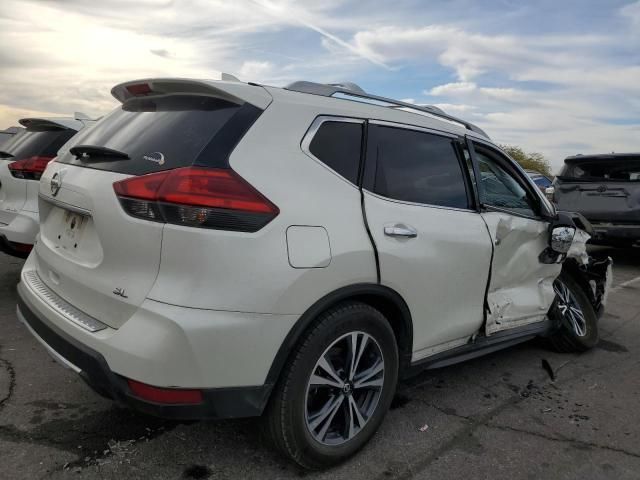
(481, 346)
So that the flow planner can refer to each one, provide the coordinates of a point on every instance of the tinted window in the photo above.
(157, 133)
(415, 167)
(337, 144)
(498, 188)
(44, 143)
(610, 169)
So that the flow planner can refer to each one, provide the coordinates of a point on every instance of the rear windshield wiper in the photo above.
(5, 154)
(86, 152)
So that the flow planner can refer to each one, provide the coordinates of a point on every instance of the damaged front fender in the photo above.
(594, 275)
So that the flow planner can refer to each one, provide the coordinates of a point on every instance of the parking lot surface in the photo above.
(523, 413)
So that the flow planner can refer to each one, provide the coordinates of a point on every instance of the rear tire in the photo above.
(576, 318)
(336, 388)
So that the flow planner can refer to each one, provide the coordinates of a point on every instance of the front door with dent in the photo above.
(521, 287)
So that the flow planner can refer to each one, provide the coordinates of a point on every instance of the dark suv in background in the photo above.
(606, 190)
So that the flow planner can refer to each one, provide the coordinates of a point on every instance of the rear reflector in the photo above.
(169, 396)
(29, 168)
(196, 197)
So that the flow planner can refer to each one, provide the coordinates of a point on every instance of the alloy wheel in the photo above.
(344, 388)
(570, 309)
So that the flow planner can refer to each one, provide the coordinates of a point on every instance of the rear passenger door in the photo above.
(433, 246)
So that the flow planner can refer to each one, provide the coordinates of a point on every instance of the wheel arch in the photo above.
(384, 299)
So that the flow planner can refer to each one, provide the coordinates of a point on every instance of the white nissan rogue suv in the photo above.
(216, 249)
(23, 158)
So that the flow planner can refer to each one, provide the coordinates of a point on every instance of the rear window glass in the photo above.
(156, 133)
(542, 181)
(416, 167)
(40, 143)
(627, 170)
(337, 144)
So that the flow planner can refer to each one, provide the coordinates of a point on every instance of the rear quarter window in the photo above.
(415, 167)
(337, 144)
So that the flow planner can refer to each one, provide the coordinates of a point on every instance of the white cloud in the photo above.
(583, 90)
(632, 13)
(546, 91)
(255, 71)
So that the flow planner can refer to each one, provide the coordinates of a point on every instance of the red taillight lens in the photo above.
(170, 396)
(197, 197)
(204, 187)
(29, 168)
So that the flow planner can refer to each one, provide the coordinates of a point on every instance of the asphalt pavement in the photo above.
(502, 416)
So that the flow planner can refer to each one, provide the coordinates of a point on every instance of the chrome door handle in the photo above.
(400, 230)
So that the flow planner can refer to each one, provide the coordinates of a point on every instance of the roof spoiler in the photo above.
(227, 87)
(52, 123)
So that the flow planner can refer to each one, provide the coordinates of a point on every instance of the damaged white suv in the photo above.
(216, 249)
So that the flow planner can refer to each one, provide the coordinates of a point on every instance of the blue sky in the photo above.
(558, 77)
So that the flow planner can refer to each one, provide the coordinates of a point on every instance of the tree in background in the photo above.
(529, 161)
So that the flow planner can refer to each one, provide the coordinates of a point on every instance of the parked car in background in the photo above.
(215, 249)
(7, 134)
(22, 161)
(541, 180)
(606, 190)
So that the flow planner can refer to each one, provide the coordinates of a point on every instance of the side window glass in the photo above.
(337, 145)
(417, 167)
(498, 188)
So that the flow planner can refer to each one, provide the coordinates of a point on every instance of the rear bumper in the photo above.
(609, 233)
(217, 403)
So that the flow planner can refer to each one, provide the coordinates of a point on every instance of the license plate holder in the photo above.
(72, 228)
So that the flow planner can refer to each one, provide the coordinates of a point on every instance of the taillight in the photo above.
(29, 168)
(196, 197)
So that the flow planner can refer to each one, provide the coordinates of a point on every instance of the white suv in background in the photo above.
(216, 249)
(23, 158)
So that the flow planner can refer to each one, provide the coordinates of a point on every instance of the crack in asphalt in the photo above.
(12, 381)
(564, 439)
(413, 469)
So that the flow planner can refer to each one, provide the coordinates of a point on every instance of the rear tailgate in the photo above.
(91, 252)
(603, 190)
(600, 202)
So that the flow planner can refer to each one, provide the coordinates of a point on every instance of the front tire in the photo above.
(576, 317)
(336, 388)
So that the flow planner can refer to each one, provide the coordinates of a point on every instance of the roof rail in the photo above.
(353, 90)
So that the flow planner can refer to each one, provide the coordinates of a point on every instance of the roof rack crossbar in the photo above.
(353, 90)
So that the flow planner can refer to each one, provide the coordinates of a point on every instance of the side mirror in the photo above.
(561, 239)
(549, 193)
(561, 232)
